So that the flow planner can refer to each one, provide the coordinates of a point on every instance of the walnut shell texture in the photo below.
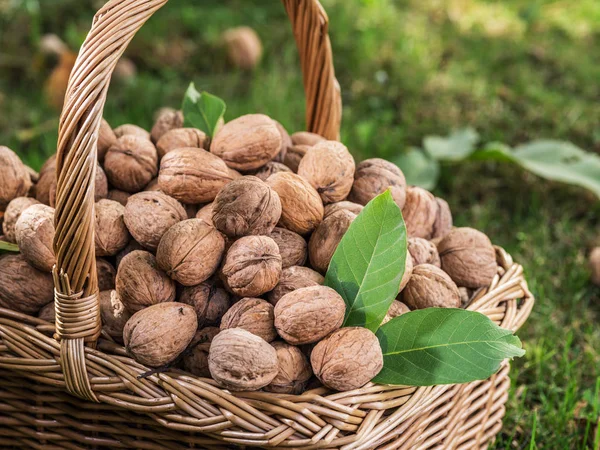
(252, 266)
(243, 47)
(347, 359)
(241, 361)
(168, 119)
(110, 233)
(352, 207)
(130, 163)
(306, 138)
(468, 256)
(397, 308)
(270, 168)
(294, 370)
(408, 270)
(35, 235)
(131, 130)
(246, 206)
(196, 360)
(326, 238)
(209, 301)
(286, 142)
(292, 247)
(443, 221)
(419, 212)
(23, 288)
(46, 181)
(375, 176)
(14, 177)
(329, 168)
(251, 314)
(13, 211)
(106, 138)
(181, 138)
(309, 314)
(190, 251)
(114, 315)
(118, 196)
(205, 213)
(48, 313)
(140, 283)
(430, 287)
(301, 206)
(107, 275)
(157, 335)
(294, 155)
(248, 142)
(423, 251)
(292, 278)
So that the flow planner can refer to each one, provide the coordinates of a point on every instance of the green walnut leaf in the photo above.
(419, 168)
(8, 247)
(443, 346)
(456, 147)
(368, 263)
(202, 110)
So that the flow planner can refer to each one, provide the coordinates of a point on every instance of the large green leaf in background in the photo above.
(8, 247)
(455, 147)
(419, 168)
(443, 346)
(368, 263)
(202, 110)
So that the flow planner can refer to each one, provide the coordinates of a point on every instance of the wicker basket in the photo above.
(68, 387)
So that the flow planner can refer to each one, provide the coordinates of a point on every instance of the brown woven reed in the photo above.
(65, 387)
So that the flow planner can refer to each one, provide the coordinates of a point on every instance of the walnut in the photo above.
(270, 168)
(408, 270)
(193, 175)
(157, 335)
(469, 257)
(190, 251)
(46, 183)
(293, 278)
(306, 138)
(110, 233)
(131, 247)
(153, 186)
(246, 206)
(294, 370)
(196, 360)
(106, 138)
(294, 155)
(397, 308)
(148, 216)
(14, 177)
(205, 213)
(248, 142)
(308, 314)
(209, 301)
(252, 266)
(48, 313)
(23, 288)
(423, 251)
(131, 130)
(251, 314)
(107, 275)
(329, 168)
(375, 176)
(595, 265)
(13, 211)
(114, 315)
(286, 142)
(243, 47)
(168, 119)
(292, 247)
(181, 138)
(35, 235)
(430, 287)
(48, 166)
(352, 207)
(301, 205)
(347, 359)
(131, 163)
(419, 212)
(327, 236)
(118, 196)
(443, 220)
(140, 283)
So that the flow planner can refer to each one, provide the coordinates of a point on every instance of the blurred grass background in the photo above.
(514, 70)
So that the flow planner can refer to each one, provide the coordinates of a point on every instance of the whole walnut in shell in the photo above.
(595, 265)
(181, 138)
(148, 216)
(270, 168)
(46, 182)
(246, 206)
(140, 283)
(294, 370)
(167, 120)
(13, 211)
(430, 287)
(419, 212)
(301, 206)
(408, 270)
(352, 207)
(294, 155)
(375, 176)
(309, 314)
(468, 256)
(397, 308)
(347, 359)
(107, 275)
(293, 278)
(48, 313)
(157, 335)
(118, 196)
(248, 142)
(23, 288)
(106, 138)
(243, 47)
(252, 266)
(131, 247)
(190, 251)
(327, 236)
(193, 175)
(306, 138)
(292, 247)
(443, 220)
(14, 177)
(35, 235)
(110, 233)
(205, 213)
(209, 302)
(251, 314)
(423, 251)
(286, 142)
(130, 163)
(195, 360)
(114, 315)
(329, 168)
(241, 361)
(100, 184)
(131, 130)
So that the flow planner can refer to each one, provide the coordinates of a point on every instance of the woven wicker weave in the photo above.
(67, 387)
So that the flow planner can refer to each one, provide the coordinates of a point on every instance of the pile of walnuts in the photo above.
(211, 254)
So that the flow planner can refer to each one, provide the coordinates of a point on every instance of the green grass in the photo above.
(513, 69)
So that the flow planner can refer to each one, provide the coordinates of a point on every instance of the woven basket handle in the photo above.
(76, 284)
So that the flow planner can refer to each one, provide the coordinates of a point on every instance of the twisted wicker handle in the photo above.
(76, 284)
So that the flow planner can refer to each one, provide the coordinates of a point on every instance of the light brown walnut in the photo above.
(352, 207)
(34, 232)
(131, 130)
(294, 370)
(292, 278)
(375, 176)
(294, 155)
(397, 308)
(181, 138)
(306, 138)
(110, 233)
(270, 168)
(408, 270)
(23, 288)
(195, 360)
(209, 301)
(13, 211)
(251, 314)
(168, 119)
(243, 47)
(419, 212)
(15, 180)
(107, 275)
(130, 163)
(326, 238)
(292, 247)
(423, 251)
(430, 287)
(443, 221)
(106, 138)
(114, 315)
